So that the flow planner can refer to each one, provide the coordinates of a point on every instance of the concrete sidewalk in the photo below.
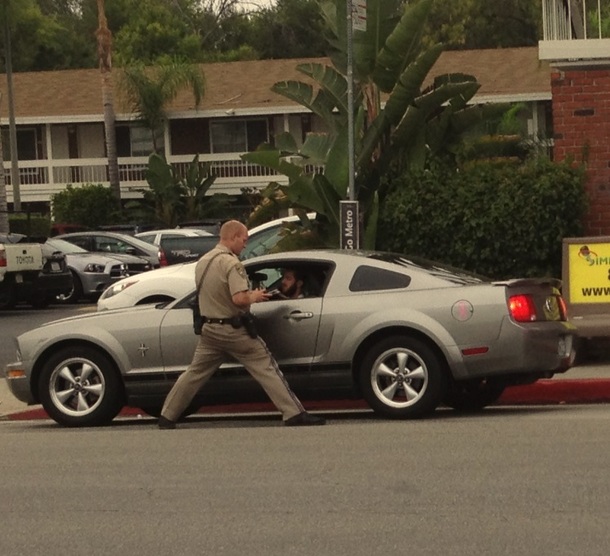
(588, 383)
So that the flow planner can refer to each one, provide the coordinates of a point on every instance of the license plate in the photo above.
(55, 267)
(565, 346)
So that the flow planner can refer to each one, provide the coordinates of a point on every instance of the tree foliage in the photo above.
(91, 205)
(415, 123)
(59, 34)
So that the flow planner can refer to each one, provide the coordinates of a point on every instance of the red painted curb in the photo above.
(592, 390)
(540, 393)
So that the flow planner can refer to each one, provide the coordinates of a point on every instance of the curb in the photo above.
(542, 392)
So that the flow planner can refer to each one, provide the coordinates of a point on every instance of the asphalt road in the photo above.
(526, 481)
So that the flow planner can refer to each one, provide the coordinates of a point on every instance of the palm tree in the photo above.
(149, 91)
(104, 52)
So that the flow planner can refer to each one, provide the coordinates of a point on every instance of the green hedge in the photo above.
(500, 220)
(34, 225)
(90, 205)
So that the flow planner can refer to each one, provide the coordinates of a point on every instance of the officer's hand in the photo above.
(259, 295)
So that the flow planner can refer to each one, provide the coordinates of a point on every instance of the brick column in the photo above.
(581, 131)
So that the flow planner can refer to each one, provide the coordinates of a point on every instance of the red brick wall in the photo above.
(581, 130)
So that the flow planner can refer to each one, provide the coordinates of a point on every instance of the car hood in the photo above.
(93, 318)
(185, 269)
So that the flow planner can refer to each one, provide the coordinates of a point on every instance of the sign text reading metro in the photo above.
(350, 229)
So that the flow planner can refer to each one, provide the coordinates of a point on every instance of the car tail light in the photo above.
(162, 258)
(563, 308)
(522, 308)
(2, 257)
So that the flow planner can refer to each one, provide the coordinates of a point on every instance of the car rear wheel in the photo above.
(473, 395)
(79, 386)
(402, 377)
(73, 294)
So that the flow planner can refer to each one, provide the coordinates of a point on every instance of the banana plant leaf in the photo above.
(320, 103)
(402, 46)
(273, 159)
(382, 18)
(331, 81)
(405, 92)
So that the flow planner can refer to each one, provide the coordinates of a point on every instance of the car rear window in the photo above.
(438, 270)
(368, 278)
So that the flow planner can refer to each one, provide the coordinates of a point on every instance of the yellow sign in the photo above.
(589, 268)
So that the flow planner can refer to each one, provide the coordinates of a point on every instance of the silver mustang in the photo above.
(405, 334)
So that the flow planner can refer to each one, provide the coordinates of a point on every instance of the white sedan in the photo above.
(155, 286)
(172, 282)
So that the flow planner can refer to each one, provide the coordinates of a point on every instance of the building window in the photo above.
(27, 144)
(135, 141)
(238, 136)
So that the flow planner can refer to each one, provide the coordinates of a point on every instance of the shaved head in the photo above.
(234, 236)
(232, 228)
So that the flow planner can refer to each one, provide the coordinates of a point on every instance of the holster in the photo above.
(248, 320)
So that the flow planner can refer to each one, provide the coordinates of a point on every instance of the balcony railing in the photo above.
(575, 29)
(40, 179)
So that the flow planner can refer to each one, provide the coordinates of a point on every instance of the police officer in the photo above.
(224, 296)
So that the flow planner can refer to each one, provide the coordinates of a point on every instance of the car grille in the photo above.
(121, 270)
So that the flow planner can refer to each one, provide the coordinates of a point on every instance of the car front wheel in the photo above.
(80, 387)
(402, 377)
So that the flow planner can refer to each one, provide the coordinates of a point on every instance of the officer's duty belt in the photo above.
(233, 321)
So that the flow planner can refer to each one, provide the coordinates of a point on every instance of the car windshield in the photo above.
(439, 270)
(64, 246)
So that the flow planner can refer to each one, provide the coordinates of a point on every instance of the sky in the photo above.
(257, 3)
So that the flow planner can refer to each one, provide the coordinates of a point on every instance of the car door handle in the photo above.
(299, 315)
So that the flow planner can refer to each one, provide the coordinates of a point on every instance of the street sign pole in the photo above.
(349, 213)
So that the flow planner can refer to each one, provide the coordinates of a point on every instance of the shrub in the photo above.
(90, 205)
(500, 220)
(35, 225)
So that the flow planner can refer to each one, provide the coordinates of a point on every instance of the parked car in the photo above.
(154, 237)
(263, 238)
(113, 242)
(58, 228)
(153, 287)
(161, 285)
(209, 225)
(92, 273)
(405, 334)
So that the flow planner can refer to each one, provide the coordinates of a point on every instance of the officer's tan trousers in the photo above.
(215, 343)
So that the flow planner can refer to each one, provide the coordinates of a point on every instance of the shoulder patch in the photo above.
(241, 271)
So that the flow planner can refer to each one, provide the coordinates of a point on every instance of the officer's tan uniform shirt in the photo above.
(225, 277)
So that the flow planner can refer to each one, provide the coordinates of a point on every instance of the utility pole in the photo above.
(4, 225)
(349, 210)
(8, 65)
